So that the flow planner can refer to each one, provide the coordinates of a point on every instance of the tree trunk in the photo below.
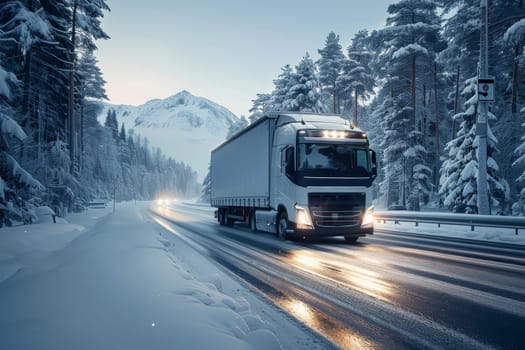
(335, 110)
(71, 99)
(26, 99)
(413, 89)
(27, 87)
(81, 136)
(423, 129)
(355, 107)
(515, 80)
(436, 128)
(456, 100)
(413, 77)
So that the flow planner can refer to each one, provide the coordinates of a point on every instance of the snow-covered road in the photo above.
(123, 284)
(391, 290)
(172, 278)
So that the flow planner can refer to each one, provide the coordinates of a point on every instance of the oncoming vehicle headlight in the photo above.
(162, 202)
(368, 218)
(302, 218)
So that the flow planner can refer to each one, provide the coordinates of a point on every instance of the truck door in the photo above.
(283, 188)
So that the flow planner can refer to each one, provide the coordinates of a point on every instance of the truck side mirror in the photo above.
(290, 161)
(374, 163)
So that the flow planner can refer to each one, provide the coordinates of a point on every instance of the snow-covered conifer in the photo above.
(518, 208)
(304, 94)
(406, 44)
(459, 173)
(356, 80)
(260, 106)
(282, 86)
(330, 65)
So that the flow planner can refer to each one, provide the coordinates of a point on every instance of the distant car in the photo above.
(164, 202)
(77, 208)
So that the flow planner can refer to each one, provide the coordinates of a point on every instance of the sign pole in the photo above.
(482, 120)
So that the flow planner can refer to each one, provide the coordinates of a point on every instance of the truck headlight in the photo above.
(368, 218)
(302, 218)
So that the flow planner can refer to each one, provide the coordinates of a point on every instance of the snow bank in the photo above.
(121, 285)
(26, 246)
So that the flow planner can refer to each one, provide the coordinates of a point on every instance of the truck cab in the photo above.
(320, 173)
(321, 177)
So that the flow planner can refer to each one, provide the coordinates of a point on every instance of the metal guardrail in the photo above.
(472, 220)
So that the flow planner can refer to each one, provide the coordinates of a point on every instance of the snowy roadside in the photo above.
(120, 281)
(489, 234)
(23, 246)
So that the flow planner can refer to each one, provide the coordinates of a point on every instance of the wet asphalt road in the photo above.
(392, 290)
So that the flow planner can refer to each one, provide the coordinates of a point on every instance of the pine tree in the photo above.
(85, 23)
(330, 65)
(518, 207)
(304, 93)
(458, 183)
(22, 28)
(506, 65)
(282, 86)
(122, 134)
(406, 43)
(260, 106)
(17, 186)
(90, 86)
(462, 56)
(458, 180)
(111, 123)
(356, 81)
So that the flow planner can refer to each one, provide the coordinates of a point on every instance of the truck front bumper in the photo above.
(334, 231)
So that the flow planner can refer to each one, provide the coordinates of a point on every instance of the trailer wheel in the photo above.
(253, 226)
(282, 225)
(351, 239)
(221, 214)
(229, 222)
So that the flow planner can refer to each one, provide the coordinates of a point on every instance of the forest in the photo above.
(412, 86)
(53, 151)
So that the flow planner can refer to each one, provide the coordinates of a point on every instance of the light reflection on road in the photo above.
(170, 214)
(342, 336)
(315, 262)
(361, 279)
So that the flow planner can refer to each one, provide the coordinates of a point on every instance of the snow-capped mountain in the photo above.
(184, 126)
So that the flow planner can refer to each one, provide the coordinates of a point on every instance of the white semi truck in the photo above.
(296, 174)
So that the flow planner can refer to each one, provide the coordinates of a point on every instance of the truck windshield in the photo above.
(322, 159)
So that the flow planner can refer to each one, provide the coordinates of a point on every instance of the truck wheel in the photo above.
(282, 225)
(253, 226)
(351, 239)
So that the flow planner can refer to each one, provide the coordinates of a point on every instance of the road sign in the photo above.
(486, 89)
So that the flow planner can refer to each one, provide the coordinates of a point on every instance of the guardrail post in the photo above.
(439, 225)
(516, 231)
(472, 228)
(417, 223)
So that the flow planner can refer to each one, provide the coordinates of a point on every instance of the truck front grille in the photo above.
(336, 209)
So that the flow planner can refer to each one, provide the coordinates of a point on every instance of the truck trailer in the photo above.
(296, 174)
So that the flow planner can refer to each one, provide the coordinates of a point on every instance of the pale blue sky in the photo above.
(224, 50)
